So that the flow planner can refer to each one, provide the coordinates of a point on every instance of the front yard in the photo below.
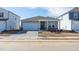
(8, 33)
(61, 34)
(39, 35)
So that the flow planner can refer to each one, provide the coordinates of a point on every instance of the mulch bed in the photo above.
(58, 34)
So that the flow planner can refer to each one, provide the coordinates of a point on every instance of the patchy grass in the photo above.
(56, 34)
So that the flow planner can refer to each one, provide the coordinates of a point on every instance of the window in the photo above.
(1, 14)
(75, 15)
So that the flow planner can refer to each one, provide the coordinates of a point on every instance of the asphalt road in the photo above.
(40, 46)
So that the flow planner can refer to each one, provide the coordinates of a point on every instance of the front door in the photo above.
(42, 25)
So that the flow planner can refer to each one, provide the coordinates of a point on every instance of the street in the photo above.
(39, 45)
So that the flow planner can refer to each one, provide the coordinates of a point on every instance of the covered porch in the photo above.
(45, 25)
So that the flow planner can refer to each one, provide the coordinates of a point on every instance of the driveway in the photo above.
(25, 35)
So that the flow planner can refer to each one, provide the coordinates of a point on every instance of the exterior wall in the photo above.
(18, 23)
(75, 25)
(5, 16)
(5, 13)
(65, 23)
(13, 22)
(2, 26)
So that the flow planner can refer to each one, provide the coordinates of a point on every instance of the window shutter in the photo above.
(71, 15)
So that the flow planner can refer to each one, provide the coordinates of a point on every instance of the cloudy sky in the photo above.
(26, 12)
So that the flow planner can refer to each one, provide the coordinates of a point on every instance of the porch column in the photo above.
(39, 25)
(47, 25)
(58, 24)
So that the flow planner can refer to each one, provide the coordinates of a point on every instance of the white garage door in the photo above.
(31, 26)
(75, 25)
(2, 26)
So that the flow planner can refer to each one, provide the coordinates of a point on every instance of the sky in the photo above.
(27, 12)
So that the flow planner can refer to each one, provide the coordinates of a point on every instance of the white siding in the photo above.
(13, 22)
(2, 26)
(18, 23)
(65, 23)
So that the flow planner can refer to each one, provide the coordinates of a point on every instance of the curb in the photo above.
(39, 40)
(43, 37)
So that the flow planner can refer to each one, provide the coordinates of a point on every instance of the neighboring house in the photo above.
(70, 20)
(39, 23)
(9, 20)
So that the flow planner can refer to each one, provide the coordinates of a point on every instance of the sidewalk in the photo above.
(9, 39)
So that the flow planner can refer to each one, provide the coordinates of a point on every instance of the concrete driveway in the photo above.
(32, 34)
(25, 35)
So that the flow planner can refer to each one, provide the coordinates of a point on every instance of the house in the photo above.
(67, 21)
(70, 20)
(9, 20)
(39, 23)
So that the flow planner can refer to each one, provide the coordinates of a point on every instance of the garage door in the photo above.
(2, 26)
(31, 26)
(75, 25)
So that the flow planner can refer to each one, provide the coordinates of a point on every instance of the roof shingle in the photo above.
(37, 18)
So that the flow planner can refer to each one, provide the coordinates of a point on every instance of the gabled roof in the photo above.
(75, 9)
(9, 11)
(37, 18)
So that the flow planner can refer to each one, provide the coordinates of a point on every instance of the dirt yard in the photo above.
(8, 33)
(61, 34)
